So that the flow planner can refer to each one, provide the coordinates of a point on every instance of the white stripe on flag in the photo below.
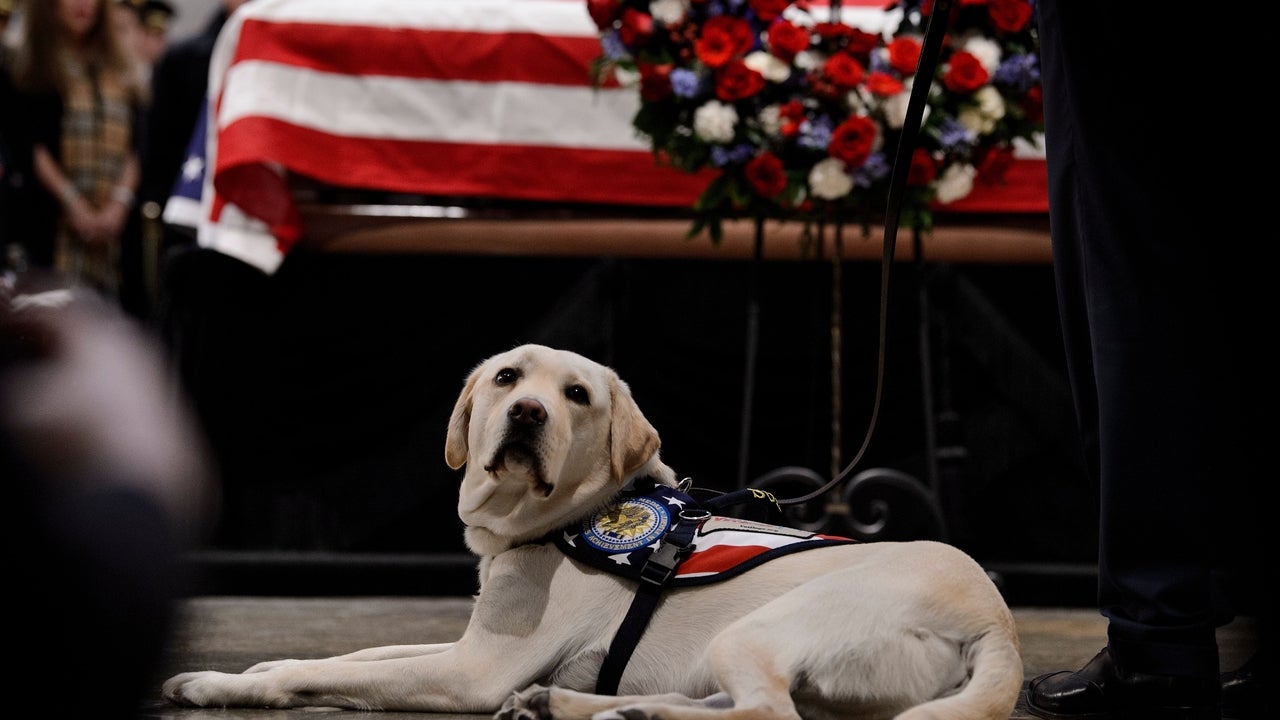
(567, 18)
(240, 236)
(433, 110)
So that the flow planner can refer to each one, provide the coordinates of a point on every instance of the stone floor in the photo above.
(231, 633)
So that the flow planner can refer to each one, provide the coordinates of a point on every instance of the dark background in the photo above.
(326, 390)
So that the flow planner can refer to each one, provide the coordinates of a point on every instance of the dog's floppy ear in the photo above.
(455, 442)
(632, 439)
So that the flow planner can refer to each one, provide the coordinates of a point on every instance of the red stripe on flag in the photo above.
(262, 193)
(719, 558)
(549, 174)
(420, 53)
(450, 169)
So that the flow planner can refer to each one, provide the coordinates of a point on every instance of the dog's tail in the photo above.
(995, 681)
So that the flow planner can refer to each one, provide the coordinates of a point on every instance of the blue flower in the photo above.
(685, 83)
(612, 48)
(736, 155)
(1019, 72)
(815, 134)
(875, 169)
(954, 136)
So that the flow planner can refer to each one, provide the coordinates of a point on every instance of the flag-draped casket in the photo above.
(483, 99)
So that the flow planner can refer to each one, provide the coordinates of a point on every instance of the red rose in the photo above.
(1009, 15)
(993, 165)
(861, 43)
(852, 140)
(843, 71)
(722, 39)
(923, 169)
(765, 175)
(604, 12)
(1033, 104)
(965, 73)
(791, 116)
(787, 40)
(829, 31)
(735, 81)
(904, 54)
(655, 81)
(882, 84)
(637, 27)
(768, 10)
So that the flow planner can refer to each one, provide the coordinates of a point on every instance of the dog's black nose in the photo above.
(527, 411)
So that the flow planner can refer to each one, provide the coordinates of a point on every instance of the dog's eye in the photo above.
(506, 376)
(577, 394)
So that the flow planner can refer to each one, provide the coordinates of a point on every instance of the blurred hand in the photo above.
(89, 398)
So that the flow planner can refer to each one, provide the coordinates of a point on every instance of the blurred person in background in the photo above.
(144, 30)
(179, 82)
(6, 16)
(143, 27)
(127, 22)
(72, 124)
(10, 182)
(156, 17)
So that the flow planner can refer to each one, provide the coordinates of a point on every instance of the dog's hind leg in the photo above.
(755, 690)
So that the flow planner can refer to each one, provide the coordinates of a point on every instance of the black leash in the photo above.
(677, 543)
(925, 67)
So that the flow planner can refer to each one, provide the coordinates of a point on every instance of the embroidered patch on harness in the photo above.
(626, 526)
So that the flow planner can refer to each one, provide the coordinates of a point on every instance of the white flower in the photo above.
(771, 120)
(981, 118)
(990, 102)
(667, 12)
(984, 48)
(808, 60)
(895, 107)
(974, 121)
(955, 182)
(828, 179)
(772, 68)
(796, 16)
(626, 77)
(714, 122)
(859, 100)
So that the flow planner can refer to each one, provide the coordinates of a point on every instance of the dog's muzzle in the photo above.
(521, 443)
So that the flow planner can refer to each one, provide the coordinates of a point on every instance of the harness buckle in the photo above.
(663, 562)
(675, 545)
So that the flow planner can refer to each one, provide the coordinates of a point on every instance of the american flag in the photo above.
(488, 99)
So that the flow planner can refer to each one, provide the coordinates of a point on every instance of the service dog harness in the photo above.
(661, 537)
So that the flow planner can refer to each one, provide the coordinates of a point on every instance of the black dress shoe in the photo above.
(1102, 691)
(1242, 692)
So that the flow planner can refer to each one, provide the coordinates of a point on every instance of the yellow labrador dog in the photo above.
(905, 630)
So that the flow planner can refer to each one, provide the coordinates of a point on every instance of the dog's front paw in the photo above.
(209, 688)
(193, 689)
(532, 703)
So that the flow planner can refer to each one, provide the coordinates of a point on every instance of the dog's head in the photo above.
(547, 436)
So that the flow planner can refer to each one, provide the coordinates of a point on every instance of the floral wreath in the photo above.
(800, 113)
